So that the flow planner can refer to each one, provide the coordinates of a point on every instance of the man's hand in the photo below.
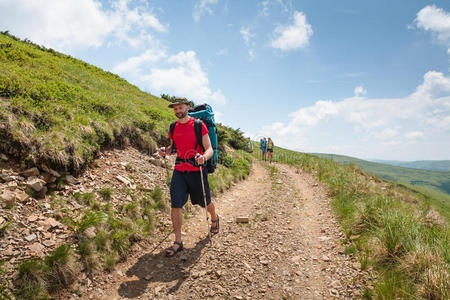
(162, 152)
(200, 159)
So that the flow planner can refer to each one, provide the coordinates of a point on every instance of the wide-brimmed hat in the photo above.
(179, 100)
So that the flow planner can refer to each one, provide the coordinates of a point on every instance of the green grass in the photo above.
(234, 167)
(37, 277)
(388, 227)
(61, 110)
(438, 181)
(106, 193)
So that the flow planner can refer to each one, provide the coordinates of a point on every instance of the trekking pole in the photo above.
(204, 199)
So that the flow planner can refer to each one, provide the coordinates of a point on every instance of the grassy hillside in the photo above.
(60, 110)
(392, 229)
(433, 165)
(435, 180)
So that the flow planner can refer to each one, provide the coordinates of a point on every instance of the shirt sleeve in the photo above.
(204, 129)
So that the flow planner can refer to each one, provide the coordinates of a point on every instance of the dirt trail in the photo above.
(290, 249)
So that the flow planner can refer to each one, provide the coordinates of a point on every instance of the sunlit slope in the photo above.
(433, 165)
(60, 110)
(438, 181)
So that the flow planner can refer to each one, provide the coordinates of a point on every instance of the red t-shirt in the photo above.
(185, 140)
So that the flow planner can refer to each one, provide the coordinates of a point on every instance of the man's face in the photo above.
(180, 110)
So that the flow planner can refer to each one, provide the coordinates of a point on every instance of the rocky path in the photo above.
(290, 249)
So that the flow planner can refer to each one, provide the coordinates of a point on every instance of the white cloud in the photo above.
(386, 133)
(222, 52)
(381, 128)
(218, 116)
(435, 20)
(203, 7)
(414, 135)
(68, 24)
(285, 6)
(179, 75)
(134, 65)
(360, 91)
(265, 8)
(246, 34)
(294, 36)
(251, 54)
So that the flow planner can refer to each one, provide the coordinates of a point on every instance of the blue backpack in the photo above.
(203, 113)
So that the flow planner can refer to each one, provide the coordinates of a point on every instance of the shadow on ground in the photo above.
(161, 269)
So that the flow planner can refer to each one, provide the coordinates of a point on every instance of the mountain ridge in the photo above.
(438, 181)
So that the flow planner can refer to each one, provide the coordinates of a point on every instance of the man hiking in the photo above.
(186, 178)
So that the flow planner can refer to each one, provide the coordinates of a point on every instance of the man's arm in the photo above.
(209, 152)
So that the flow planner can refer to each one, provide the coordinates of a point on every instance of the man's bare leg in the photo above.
(212, 211)
(177, 221)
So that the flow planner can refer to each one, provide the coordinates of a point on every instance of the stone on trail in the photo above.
(71, 180)
(31, 237)
(30, 172)
(49, 223)
(49, 243)
(22, 196)
(36, 247)
(3, 157)
(36, 184)
(242, 219)
(8, 199)
(6, 178)
(123, 179)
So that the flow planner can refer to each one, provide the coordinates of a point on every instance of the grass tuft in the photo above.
(106, 193)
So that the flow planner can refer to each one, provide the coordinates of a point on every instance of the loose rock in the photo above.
(36, 184)
(30, 172)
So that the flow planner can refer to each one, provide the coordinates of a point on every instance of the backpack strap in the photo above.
(198, 133)
(172, 129)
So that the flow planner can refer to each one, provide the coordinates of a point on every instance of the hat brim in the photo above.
(176, 103)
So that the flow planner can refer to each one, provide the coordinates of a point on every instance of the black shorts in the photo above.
(189, 183)
(269, 150)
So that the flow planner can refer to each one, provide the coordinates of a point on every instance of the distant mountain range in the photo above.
(433, 165)
(434, 175)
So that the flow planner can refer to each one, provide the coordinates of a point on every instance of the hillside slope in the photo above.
(435, 180)
(433, 165)
(58, 110)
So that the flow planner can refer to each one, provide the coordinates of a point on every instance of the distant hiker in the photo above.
(186, 175)
(270, 149)
(263, 146)
(249, 145)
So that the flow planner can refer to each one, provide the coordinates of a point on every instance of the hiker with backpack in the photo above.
(263, 147)
(270, 146)
(190, 139)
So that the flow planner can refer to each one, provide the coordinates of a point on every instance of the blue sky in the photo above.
(363, 78)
